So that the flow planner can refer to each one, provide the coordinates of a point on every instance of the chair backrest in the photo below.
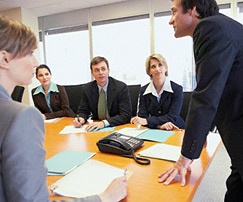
(185, 106)
(74, 96)
(17, 93)
(134, 93)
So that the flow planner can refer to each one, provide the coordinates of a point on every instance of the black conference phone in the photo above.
(123, 145)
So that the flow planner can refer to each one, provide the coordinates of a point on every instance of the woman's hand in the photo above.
(168, 126)
(44, 117)
(139, 121)
(116, 191)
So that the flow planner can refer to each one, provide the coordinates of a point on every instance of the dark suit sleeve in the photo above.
(143, 105)
(123, 111)
(84, 106)
(36, 100)
(60, 105)
(214, 55)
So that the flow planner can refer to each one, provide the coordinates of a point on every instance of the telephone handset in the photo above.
(118, 143)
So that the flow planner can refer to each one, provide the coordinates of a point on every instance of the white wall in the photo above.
(31, 20)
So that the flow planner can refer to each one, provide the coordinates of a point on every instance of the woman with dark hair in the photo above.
(51, 99)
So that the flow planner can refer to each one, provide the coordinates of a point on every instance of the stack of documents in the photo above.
(66, 161)
(162, 151)
(90, 178)
(147, 134)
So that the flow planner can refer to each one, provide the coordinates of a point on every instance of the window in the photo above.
(178, 52)
(240, 12)
(126, 45)
(225, 9)
(125, 42)
(68, 56)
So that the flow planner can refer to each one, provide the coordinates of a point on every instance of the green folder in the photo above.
(156, 135)
(65, 161)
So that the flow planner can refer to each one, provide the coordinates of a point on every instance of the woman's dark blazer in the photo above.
(58, 101)
(166, 110)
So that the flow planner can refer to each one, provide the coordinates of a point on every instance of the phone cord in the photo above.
(142, 161)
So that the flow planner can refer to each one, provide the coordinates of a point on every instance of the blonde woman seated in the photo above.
(160, 100)
(51, 99)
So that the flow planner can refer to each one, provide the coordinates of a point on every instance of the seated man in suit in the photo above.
(106, 98)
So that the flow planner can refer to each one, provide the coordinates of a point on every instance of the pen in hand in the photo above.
(78, 118)
(125, 173)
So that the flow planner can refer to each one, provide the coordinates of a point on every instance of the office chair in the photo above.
(134, 93)
(17, 93)
(74, 96)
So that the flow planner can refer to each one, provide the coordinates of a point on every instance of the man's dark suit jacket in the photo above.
(118, 102)
(58, 101)
(218, 97)
(166, 110)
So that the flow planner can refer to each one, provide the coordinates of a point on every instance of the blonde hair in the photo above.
(16, 38)
(158, 57)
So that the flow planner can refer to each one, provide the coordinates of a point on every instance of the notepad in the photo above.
(66, 161)
(147, 134)
(162, 151)
(90, 178)
(71, 129)
(133, 132)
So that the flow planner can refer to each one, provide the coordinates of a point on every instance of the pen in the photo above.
(125, 172)
(78, 118)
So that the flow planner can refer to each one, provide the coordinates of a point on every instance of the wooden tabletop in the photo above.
(143, 185)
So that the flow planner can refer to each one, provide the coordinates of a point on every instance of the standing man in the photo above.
(106, 98)
(218, 97)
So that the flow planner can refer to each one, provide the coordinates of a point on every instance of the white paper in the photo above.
(162, 151)
(72, 129)
(133, 132)
(90, 178)
(52, 120)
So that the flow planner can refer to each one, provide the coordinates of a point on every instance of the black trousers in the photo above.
(234, 186)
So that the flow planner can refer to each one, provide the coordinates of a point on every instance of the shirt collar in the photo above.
(52, 88)
(104, 87)
(4, 92)
(166, 87)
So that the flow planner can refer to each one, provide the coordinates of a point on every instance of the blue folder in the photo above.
(65, 161)
(156, 135)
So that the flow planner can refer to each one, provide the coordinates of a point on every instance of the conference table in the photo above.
(143, 184)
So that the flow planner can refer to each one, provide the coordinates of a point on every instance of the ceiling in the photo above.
(49, 7)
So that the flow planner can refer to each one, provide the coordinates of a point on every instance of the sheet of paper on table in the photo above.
(90, 178)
